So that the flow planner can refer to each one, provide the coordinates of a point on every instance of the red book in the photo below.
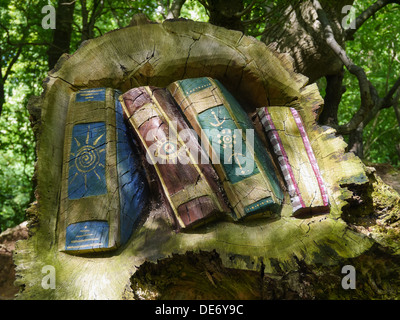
(172, 148)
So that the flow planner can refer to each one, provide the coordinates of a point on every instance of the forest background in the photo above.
(352, 53)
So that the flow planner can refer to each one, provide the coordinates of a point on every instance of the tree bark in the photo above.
(301, 37)
(2, 95)
(4, 77)
(89, 18)
(356, 143)
(225, 14)
(396, 107)
(158, 55)
(174, 10)
(333, 96)
(62, 33)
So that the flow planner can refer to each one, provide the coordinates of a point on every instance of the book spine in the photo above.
(97, 163)
(232, 144)
(187, 184)
(285, 130)
(132, 183)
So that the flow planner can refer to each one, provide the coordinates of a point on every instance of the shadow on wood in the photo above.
(158, 55)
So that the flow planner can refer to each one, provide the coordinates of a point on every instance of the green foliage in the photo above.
(376, 48)
(23, 38)
(16, 162)
(194, 10)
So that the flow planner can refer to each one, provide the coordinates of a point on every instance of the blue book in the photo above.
(104, 188)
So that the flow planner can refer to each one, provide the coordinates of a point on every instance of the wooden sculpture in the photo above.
(242, 164)
(299, 166)
(190, 186)
(153, 250)
(98, 158)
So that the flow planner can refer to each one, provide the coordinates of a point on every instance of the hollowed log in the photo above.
(158, 55)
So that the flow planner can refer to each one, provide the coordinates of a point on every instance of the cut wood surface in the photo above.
(158, 55)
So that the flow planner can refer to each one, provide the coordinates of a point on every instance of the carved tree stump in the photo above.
(158, 55)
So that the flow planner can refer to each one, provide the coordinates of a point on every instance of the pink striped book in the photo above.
(285, 130)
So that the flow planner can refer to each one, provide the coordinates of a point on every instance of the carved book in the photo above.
(231, 143)
(104, 189)
(171, 147)
(285, 130)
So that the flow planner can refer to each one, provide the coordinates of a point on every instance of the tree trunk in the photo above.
(333, 96)
(396, 107)
(231, 251)
(62, 32)
(89, 18)
(225, 14)
(175, 10)
(2, 95)
(303, 39)
(356, 143)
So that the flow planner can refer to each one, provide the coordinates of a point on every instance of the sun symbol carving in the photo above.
(226, 138)
(87, 155)
(167, 149)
